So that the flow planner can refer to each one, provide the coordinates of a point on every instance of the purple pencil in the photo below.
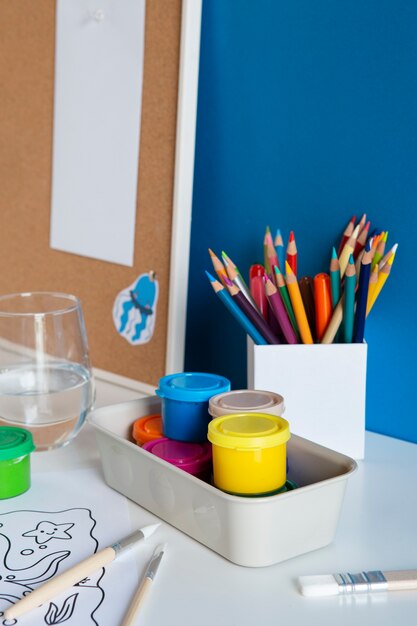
(278, 309)
(255, 317)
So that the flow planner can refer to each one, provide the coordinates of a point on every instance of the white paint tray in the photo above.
(254, 532)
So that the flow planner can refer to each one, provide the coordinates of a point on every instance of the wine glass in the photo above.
(46, 382)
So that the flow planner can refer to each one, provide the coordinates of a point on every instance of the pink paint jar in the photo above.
(194, 458)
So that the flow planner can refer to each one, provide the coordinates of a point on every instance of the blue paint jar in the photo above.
(185, 397)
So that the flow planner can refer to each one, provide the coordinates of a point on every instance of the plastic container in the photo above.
(147, 428)
(254, 532)
(185, 403)
(16, 444)
(194, 458)
(249, 452)
(246, 400)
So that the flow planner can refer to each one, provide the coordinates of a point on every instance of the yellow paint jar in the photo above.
(249, 452)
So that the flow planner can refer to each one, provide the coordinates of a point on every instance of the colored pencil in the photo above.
(252, 314)
(279, 246)
(306, 285)
(346, 234)
(362, 222)
(373, 279)
(335, 278)
(280, 311)
(267, 244)
(362, 297)
(297, 304)
(349, 301)
(236, 311)
(335, 321)
(291, 254)
(282, 287)
(257, 289)
(271, 253)
(382, 279)
(386, 256)
(218, 266)
(348, 249)
(361, 240)
(323, 303)
(380, 249)
(236, 277)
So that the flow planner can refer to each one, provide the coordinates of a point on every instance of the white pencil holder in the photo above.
(324, 389)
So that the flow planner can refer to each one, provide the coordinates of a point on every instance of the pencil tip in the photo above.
(278, 234)
(292, 235)
(210, 277)
(211, 253)
(277, 270)
(334, 253)
(288, 269)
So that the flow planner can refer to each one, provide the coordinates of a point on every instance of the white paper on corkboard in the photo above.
(99, 56)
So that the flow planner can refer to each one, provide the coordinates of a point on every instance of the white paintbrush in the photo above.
(76, 573)
(363, 582)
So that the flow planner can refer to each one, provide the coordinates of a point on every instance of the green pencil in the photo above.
(286, 299)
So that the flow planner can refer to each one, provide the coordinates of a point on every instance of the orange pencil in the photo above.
(218, 266)
(346, 234)
(292, 253)
(323, 303)
(298, 306)
(380, 249)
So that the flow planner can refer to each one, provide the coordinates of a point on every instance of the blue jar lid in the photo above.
(192, 386)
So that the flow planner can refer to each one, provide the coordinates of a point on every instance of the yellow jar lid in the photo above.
(248, 431)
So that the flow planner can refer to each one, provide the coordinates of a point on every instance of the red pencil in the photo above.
(347, 233)
(292, 253)
(257, 288)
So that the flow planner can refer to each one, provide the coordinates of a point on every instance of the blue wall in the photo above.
(307, 114)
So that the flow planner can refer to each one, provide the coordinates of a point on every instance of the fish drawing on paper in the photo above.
(37, 545)
(134, 309)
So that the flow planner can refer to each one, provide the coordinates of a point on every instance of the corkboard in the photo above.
(27, 261)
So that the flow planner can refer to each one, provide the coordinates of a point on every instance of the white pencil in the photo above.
(363, 582)
(73, 575)
(144, 586)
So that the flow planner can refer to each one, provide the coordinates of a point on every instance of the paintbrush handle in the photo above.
(60, 583)
(138, 600)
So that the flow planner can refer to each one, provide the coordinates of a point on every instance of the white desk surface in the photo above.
(197, 587)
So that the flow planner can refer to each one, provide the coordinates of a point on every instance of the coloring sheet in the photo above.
(64, 518)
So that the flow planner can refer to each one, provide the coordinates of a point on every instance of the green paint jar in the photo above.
(16, 444)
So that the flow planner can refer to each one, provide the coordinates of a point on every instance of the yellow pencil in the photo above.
(382, 279)
(373, 279)
(297, 304)
(348, 249)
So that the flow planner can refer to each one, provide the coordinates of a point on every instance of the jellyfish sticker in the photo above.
(134, 309)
